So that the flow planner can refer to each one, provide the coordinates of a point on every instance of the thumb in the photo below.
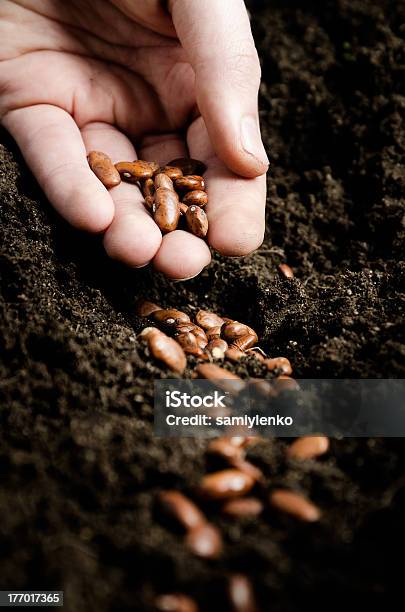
(217, 38)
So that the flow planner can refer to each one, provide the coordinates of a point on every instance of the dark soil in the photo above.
(80, 466)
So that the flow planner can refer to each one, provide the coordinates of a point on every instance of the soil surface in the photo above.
(80, 467)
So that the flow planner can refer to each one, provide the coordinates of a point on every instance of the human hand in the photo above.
(101, 75)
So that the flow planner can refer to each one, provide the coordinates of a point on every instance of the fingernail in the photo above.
(181, 280)
(252, 140)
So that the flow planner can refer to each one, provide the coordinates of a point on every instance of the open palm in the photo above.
(97, 75)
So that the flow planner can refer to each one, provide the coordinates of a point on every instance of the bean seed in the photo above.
(170, 317)
(172, 172)
(245, 342)
(234, 354)
(217, 348)
(214, 332)
(281, 364)
(135, 171)
(248, 468)
(224, 448)
(145, 308)
(197, 221)
(225, 484)
(191, 182)
(210, 371)
(295, 504)
(165, 349)
(183, 208)
(196, 197)
(253, 351)
(104, 169)
(150, 203)
(243, 507)
(189, 343)
(148, 187)
(175, 602)
(240, 594)
(182, 509)
(189, 165)
(285, 383)
(205, 541)
(207, 319)
(234, 330)
(167, 209)
(286, 270)
(308, 447)
(162, 180)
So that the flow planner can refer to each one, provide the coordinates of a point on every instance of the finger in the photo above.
(53, 148)
(218, 41)
(236, 205)
(133, 237)
(181, 255)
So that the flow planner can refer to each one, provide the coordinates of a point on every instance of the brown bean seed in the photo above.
(150, 203)
(104, 169)
(162, 180)
(308, 447)
(175, 602)
(295, 504)
(248, 468)
(196, 197)
(189, 165)
(145, 308)
(226, 484)
(234, 330)
(167, 210)
(240, 594)
(243, 507)
(197, 221)
(148, 187)
(183, 208)
(234, 354)
(286, 270)
(245, 342)
(281, 364)
(135, 171)
(191, 182)
(172, 172)
(214, 332)
(217, 348)
(170, 317)
(189, 343)
(205, 541)
(210, 371)
(182, 509)
(207, 319)
(165, 349)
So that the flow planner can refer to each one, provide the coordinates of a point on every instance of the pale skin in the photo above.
(138, 79)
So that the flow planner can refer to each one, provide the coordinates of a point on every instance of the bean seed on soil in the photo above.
(197, 221)
(240, 594)
(234, 354)
(295, 504)
(245, 342)
(196, 197)
(308, 447)
(279, 364)
(182, 509)
(225, 484)
(211, 371)
(170, 317)
(286, 270)
(205, 541)
(217, 348)
(225, 448)
(165, 349)
(241, 507)
(234, 330)
(207, 320)
(189, 343)
(145, 308)
(104, 169)
(175, 602)
(188, 165)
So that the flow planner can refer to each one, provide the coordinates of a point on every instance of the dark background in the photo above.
(80, 467)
